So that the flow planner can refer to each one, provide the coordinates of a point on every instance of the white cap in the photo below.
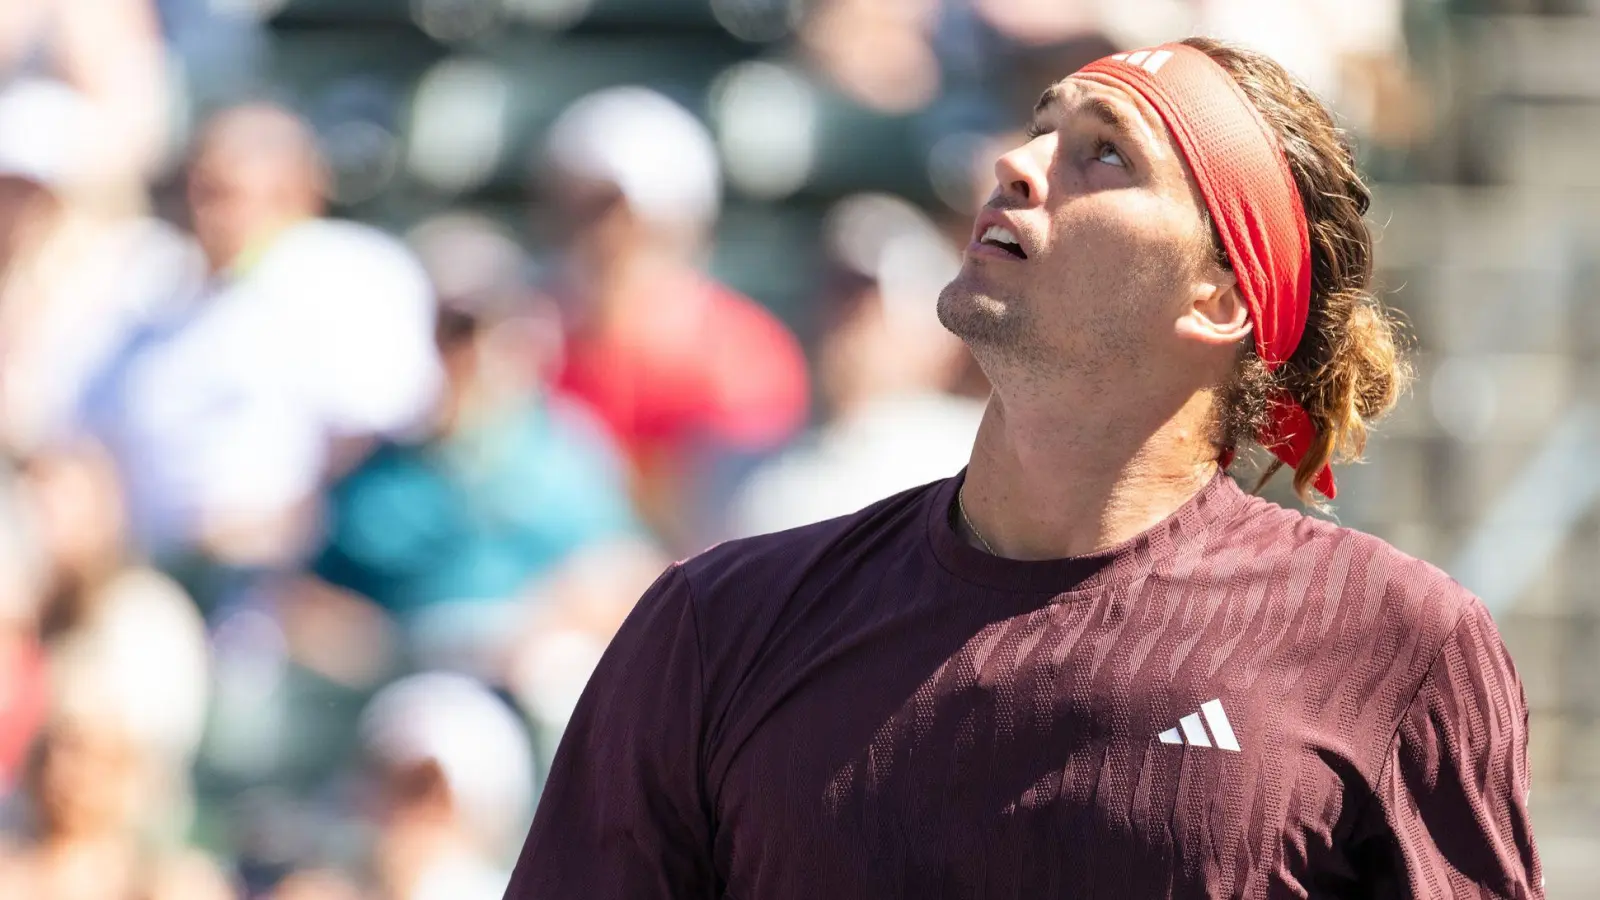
(44, 129)
(141, 666)
(657, 153)
(480, 746)
(469, 258)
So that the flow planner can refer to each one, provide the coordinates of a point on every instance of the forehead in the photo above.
(1109, 100)
(255, 138)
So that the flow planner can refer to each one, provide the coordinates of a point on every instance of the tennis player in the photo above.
(1089, 665)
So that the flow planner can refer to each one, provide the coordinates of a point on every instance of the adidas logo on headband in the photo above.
(1149, 60)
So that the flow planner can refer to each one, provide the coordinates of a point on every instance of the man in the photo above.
(96, 802)
(693, 379)
(1090, 666)
(304, 339)
(452, 772)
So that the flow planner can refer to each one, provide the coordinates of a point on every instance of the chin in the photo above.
(978, 317)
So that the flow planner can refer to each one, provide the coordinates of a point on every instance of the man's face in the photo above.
(256, 171)
(596, 224)
(232, 198)
(1091, 246)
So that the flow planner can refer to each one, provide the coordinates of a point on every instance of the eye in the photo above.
(1107, 152)
(1036, 131)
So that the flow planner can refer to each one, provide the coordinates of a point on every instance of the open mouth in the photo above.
(1002, 238)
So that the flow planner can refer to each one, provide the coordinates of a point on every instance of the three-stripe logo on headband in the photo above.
(1149, 60)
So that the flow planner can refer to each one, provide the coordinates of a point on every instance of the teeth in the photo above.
(997, 235)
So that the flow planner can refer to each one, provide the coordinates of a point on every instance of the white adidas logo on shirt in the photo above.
(1190, 731)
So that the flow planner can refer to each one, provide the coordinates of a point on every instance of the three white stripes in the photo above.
(1194, 733)
(1149, 60)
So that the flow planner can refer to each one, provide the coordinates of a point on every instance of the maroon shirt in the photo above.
(1242, 702)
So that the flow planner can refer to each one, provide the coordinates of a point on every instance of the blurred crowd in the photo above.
(311, 532)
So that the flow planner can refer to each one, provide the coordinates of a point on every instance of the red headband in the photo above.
(1244, 177)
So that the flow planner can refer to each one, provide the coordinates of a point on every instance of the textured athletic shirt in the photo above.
(1241, 702)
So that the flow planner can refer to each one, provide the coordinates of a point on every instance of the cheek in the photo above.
(1124, 242)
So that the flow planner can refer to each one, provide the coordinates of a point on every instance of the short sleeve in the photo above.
(1454, 791)
(623, 813)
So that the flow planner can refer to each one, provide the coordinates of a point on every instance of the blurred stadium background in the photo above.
(310, 532)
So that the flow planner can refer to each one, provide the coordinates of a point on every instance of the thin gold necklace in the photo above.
(961, 507)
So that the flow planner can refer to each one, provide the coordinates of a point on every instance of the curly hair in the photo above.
(1350, 366)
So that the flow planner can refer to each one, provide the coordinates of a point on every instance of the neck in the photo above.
(625, 298)
(248, 254)
(1045, 483)
(623, 280)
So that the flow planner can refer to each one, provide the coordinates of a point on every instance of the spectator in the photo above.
(448, 533)
(110, 53)
(879, 53)
(690, 376)
(128, 673)
(576, 612)
(23, 667)
(1351, 54)
(886, 370)
(1036, 23)
(455, 788)
(134, 624)
(305, 338)
(75, 265)
(85, 827)
(38, 116)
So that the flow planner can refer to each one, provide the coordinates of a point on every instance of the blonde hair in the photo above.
(1350, 366)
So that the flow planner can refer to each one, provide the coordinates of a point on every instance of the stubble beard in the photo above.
(983, 321)
(1008, 341)
(999, 329)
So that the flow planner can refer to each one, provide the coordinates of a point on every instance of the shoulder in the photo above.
(339, 253)
(1380, 593)
(751, 596)
(1360, 557)
(334, 235)
(161, 268)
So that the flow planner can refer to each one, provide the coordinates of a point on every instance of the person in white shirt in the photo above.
(78, 264)
(304, 337)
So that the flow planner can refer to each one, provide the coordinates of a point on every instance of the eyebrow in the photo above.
(1101, 108)
(1050, 97)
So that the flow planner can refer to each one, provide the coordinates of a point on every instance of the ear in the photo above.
(1216, 312)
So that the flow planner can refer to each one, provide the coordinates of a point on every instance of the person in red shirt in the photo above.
(688, 374)
(1090, 665)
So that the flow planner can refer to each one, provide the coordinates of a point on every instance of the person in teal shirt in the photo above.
(453, 531)
(474, 514)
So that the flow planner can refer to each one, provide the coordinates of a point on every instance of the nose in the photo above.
(1021, 178)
